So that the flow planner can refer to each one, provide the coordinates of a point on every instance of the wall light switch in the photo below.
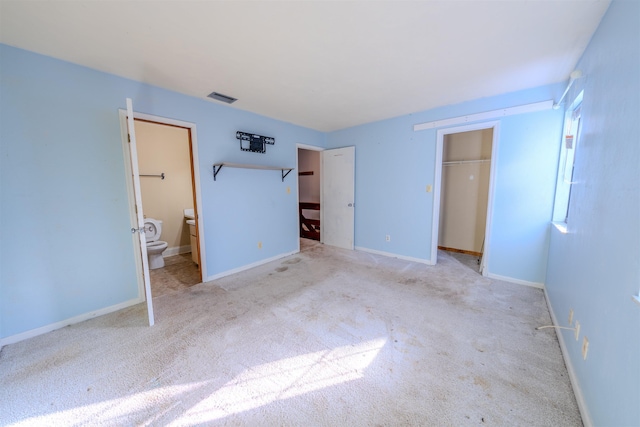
(429, 188)
(288, 190)
(259, 245)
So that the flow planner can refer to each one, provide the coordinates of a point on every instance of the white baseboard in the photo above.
(577, 391)
(392, 255)
(176, 250)
(249, 266)
(77, 319)
(516, 281)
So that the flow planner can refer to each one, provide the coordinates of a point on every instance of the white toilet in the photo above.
(155, 247)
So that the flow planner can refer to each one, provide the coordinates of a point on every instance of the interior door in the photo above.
(139, 230)
(338, 197)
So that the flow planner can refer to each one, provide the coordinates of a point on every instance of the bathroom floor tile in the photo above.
(179, 272)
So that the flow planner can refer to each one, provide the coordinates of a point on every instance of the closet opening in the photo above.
(463, 193)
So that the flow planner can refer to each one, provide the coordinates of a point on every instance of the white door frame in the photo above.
(196, 178)
(311, 148)
(435, 227)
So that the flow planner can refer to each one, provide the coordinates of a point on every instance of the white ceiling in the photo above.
(325, 65)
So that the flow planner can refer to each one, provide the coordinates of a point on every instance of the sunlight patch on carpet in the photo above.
(118, 411)
(285, 378)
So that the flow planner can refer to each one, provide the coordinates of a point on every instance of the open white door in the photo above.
(139, 215)
(338, 201)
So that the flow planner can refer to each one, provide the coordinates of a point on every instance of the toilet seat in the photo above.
(156, 244)
(152, 229)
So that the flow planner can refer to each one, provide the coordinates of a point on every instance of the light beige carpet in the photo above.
(326, 337)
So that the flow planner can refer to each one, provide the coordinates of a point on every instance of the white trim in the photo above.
(561, 226)
(61, 324)
(392, 255)
(515, 281)
(176, 250)
(489, 115)
(249, 266)
(309, 147)
(437, 184)
(575, 385)
(300, 146)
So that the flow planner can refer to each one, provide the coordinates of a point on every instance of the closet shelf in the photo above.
(464, 162)
(218, 166)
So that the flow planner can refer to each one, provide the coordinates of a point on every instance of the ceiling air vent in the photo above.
(220, 97)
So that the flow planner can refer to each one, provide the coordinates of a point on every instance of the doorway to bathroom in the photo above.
(167, 189)
(172, 276)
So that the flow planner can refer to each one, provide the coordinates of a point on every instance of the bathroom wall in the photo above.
(465, 189)
(165, 149)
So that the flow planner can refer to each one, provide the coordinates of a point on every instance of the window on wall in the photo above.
(570, 142)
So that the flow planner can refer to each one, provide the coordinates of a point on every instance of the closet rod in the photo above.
(161, 176)
(463, 162)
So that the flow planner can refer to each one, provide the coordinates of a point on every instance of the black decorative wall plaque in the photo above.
(253, 142)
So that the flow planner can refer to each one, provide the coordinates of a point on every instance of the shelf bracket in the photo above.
(284, 175)
(215, 171)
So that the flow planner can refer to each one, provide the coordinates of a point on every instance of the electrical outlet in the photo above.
(570, 316)
(387, 238)
(585, 347)
(577, 330)
(259, 245)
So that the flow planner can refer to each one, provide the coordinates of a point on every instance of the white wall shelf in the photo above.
(218, 166)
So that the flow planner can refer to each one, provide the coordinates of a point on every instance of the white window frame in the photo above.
(566, 162)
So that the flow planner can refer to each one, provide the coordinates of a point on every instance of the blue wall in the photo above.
(64, 215)
(63, 186)
(594, 269)
(394, 165)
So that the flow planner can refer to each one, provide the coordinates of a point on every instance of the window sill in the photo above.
(560, 226)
